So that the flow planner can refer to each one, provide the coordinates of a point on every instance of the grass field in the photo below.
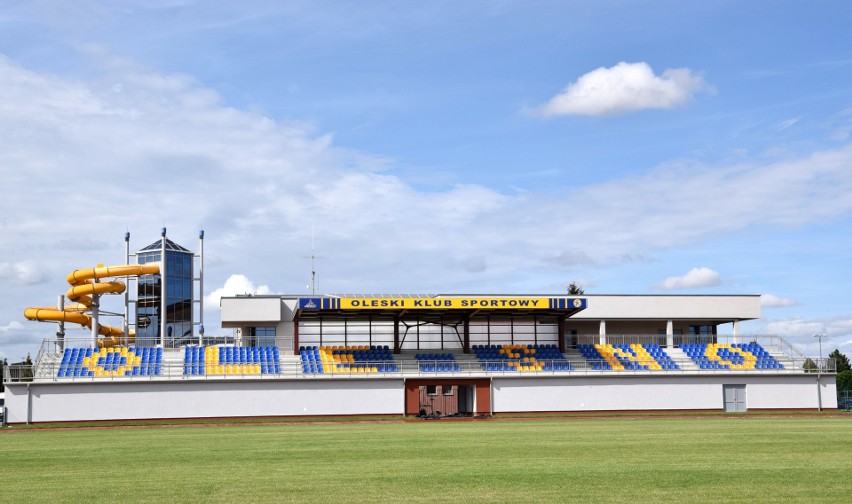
(742, 459)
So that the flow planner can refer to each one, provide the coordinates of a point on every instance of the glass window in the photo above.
(261, 336)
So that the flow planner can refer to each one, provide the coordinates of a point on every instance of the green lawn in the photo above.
(742, 459)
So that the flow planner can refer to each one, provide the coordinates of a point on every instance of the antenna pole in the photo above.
(313, 266)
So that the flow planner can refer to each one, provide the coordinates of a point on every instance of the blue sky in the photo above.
(512, 147)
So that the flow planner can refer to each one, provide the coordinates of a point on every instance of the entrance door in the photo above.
(735, 398)
(463, 396)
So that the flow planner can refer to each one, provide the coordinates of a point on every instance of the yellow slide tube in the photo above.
(83, 287)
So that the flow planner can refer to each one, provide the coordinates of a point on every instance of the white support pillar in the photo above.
(96, 299)
(670, 334)
(125, 328)
(603, 332)
(60, 333)
(735, 331)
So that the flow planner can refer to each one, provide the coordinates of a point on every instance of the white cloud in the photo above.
(800, 332)
(11, 326)
(24, 272)
(166, 151)
(833, 327)
(796, 327)
(773, 301)
(625, 87)
(696, 277)
(789, 123)
(235, 285)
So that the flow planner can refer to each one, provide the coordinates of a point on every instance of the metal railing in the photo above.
(48, 362)
(844, 400)
(292, 367)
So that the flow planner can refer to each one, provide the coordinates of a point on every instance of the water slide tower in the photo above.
(165, 303)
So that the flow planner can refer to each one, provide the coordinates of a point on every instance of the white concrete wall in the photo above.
(799, 394)
(55, 402)
(644, 307)
(607, 393)
(245, 311)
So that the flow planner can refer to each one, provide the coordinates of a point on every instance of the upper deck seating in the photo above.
(437, 362)
(595, 358)
(659, 354)
(631, 357)
(230, 360)
(348, 359)
(736, 356)
(110, 362)
(521, 358)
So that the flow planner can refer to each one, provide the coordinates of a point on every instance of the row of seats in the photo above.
(594, 358)
(659, 354)
(746, 356)
(437, 363)
(521, 358)
(230, 360)
(630, 357)
(347, 359)
(636, 357)
(110, 362)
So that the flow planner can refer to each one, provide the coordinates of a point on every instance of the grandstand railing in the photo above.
(776, 343)
(47, 363)
(175, 370)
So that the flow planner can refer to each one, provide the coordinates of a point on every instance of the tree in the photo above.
(809, 366)
(3, 364)
(575, 290)
(844, 381)
(840, 360)
(27, 369)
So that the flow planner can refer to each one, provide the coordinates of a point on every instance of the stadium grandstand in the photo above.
(431, 356)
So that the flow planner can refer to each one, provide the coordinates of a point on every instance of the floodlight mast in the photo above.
(163, 297)
(819, 371)
(201, 288)
(126, 326)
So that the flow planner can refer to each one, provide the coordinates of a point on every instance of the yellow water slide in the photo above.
(86, 283)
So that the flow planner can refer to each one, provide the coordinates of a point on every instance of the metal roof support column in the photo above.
(560, 333)
(535, 329)
(466, 342)
(602, 332)
(396, 348)
(296, 333)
